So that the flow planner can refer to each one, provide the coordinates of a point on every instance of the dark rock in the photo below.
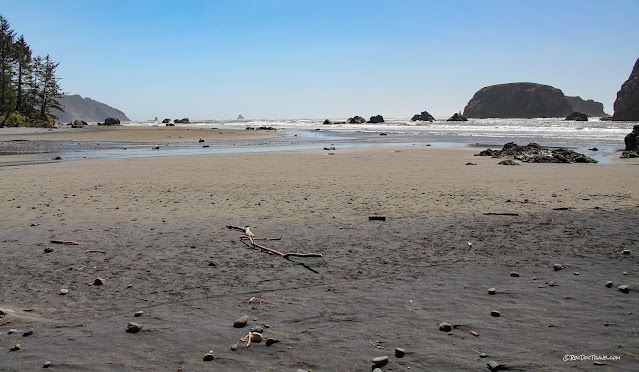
(424, 116)
(166, 121)
(627, 103)
(380, 361)
(133, 327)
(494, 366)
(327, 122)
(181, 121)
(331, 148)
(533, 153)
(383, 134)
(271, 341)
(508, 162)
(514, 274)
(356, 120)
(138, 313)
(399, 352)
(518, 100)
(471, 163)
(457, 117)
(200, 140)
(209, 356)
(445, 327)
(588, 107)
(111, 121)
(495, 313)
(98, 281)
(240, 322)
(632, 143)
(609, 284)
(376, 119)
(558, 267)
(577, 116)
(47, 364)
(170, 124)
(79, 124)
(492, 291)
(624, 288)
(48, 250)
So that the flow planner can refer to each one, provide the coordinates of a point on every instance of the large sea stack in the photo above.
(627, 103)
(518, 100)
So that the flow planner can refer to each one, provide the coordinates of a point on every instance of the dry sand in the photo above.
(161, 223)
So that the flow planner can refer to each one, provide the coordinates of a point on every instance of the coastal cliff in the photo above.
(588, 107)
(518, 100)
(78, 108)
(627, 103)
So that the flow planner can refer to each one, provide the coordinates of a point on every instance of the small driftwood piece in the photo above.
(248, 235)
(500, 214)
(95, 251)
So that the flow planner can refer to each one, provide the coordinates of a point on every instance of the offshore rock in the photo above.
(424, 116)
(588, 107)
(356, 120)
(457, 117)
(577, 116)
(518, 100)
(181, 121)
(376, 119)
(627, 103)
(111, 121)
(534, 153)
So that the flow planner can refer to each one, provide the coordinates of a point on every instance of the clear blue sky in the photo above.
(319, 59)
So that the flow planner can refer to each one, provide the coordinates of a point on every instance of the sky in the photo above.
(324, 58)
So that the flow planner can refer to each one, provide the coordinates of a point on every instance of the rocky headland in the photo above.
(86, 109)
(588, 107)
(627, 103)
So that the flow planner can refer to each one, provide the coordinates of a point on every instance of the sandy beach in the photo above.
(155, 231)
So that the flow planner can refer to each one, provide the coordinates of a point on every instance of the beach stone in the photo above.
(15, 347)
(380, 361)
(399, 352)
(471, 163)
(492, 291)
(445, 327)
(208, 356)
(138, 313)
(271, 341)
(12, 330)
(27, 333)
(64, 291)
(48, 250)
(514, 274)
(234, 347)
(483, 355)
(625, 251)
(558, 267)
(257, 329)
(378, 370)
(508, 162)
(46, 364)
(609, 284)
(495, 313)
(201, 140)
(623, 288)
(256, 337)
(494, 366)
(59, 158)
(133, 327)
(98, 281)
(240, 322)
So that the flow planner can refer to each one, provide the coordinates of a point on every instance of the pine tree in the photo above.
(49, 90)
(24, 67)
(7, 36)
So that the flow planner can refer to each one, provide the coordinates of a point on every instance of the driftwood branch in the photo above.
(248, 235)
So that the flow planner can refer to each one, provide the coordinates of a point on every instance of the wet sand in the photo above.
(155, 230)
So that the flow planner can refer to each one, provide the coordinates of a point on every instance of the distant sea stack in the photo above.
(627, 103)
(589, 107)
(78, 108)
(518, 100)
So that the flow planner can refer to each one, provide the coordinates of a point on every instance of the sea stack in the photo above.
(518, 100)
(627, 103)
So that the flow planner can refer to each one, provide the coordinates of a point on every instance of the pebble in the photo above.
(48, 250)
(625, 273)
(15, 347)
(380, 361)
(98, 281)
(483, 355)
(47, 364)
(492, 291)
(133, 328)
(240, 322)
(558, 267)
(138, 313)
(256, 337)
(64, 291)
(609, 284)
(27, 333)
(625, 251)
(234, 347)
(576, 272)
(377, 370)
(445, 327)
(399, 352)
(271, 341)
(13, 330)
(494, 366)
(623, 288)
(495, 313)
(208, 356)
(257, 329)
(514, 274)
